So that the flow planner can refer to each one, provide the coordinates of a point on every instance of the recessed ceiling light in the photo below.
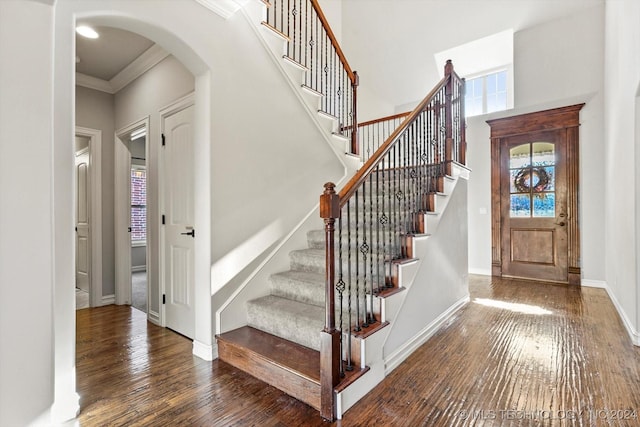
(87, 32)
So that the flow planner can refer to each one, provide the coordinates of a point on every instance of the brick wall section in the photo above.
(138, 204)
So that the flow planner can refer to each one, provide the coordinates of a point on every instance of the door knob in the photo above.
(561, 223)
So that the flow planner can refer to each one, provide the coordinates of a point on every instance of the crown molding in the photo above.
(149, 59)
(224, 8)
(93, 83)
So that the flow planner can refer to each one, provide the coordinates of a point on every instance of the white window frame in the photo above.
(509, 83)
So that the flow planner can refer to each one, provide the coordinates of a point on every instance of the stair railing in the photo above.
(373, 133)
(369, 222)
(313, 46)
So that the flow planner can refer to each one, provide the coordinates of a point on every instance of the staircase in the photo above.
(319, 333)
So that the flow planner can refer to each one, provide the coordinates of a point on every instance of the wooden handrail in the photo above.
(384, 119)
(362, 174)
(334, 41)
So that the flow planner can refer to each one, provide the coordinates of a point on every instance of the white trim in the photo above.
(480, 271)
(139, 268)
(178, 105)
(122, 210)
(401, 354)
(95, 216)
(205, 351)
(108, 299)
(587, 283)
(153, 316)
(93, 83)
(173, 107)
(633, 334)
(224, 8)
(143, 63)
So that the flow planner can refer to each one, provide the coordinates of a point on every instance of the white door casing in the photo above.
(179, 233)
(94, 212)
(82, 228)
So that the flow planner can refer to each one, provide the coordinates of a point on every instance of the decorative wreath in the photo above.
(526, 175)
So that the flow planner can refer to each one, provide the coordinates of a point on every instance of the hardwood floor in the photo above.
(519, 354)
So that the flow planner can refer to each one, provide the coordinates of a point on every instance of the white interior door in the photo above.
(83, 203)
(179, 234)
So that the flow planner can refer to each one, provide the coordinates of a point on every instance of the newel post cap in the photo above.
(329, 202)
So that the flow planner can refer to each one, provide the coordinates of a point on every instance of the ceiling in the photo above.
(109, 54)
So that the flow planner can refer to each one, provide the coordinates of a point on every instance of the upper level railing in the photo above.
(373, 133)
(312, 45)
(368, 224)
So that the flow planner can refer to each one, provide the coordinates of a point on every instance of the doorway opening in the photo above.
(138, 215)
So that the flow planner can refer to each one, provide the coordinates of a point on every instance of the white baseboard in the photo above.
(154, 317)
(138, 268)
(108, 299)
(633, 334)
(480, 271)
(399, 356)
(206, 352)
(593, 283)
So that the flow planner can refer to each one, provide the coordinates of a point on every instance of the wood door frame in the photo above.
(564, 119)
(95, 214)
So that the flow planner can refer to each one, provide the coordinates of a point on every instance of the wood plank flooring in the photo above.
(519, 354)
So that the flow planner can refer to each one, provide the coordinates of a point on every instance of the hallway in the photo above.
(519, 351)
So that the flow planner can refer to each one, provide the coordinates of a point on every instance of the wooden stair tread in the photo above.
(286, 354)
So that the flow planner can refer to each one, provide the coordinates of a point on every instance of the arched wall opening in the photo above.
(175, 39)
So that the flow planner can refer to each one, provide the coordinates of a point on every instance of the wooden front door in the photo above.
(534, 205)
(534, 194)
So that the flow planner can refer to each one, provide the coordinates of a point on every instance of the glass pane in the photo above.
(502, 82)
(501, 101)
(544, 205)
(543, 154)
(519, 156)
(543, 179)
(492, 86)
(520, 180)
(520, 205)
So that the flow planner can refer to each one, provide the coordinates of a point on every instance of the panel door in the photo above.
(83, 248)
(179, 233)
(534, 206)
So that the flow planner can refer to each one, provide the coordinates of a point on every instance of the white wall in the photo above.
(392, 43)
(557, 63)
(622, 136)
(26, 227)
(269, 160)
(442, 279)
(95, 110)
(168, 81)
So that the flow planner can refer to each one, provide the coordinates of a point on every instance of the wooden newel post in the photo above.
(330, 357)
(448, 117)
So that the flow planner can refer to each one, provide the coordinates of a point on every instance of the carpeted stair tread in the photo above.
(302, 286)
(288, 319)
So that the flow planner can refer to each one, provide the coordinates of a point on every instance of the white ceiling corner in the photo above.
(224, 8)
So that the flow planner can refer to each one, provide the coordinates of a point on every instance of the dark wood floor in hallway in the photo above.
(519, 354)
